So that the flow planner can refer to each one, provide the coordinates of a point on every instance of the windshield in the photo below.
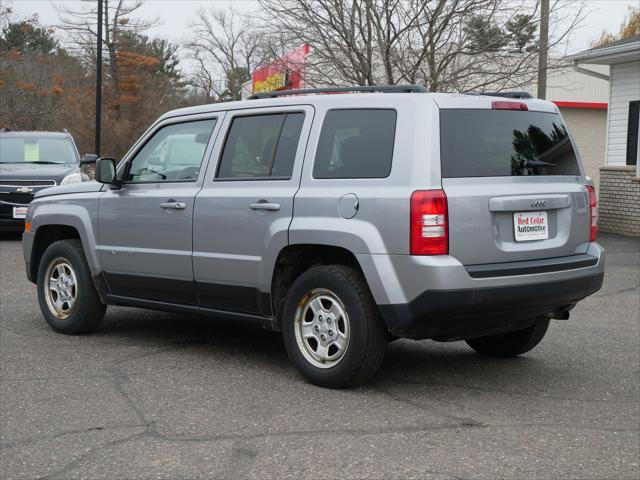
(497, 143)
(37, 150)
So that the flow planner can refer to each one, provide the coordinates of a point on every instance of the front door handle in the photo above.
(173, 205)
(263, 205)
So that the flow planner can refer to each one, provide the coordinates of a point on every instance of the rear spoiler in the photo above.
(505, 94)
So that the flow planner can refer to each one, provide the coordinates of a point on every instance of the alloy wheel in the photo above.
(322, 328)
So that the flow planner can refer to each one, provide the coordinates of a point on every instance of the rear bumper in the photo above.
(458, 314)
(437, 297)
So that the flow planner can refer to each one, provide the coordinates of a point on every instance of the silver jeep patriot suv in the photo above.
(344, 221)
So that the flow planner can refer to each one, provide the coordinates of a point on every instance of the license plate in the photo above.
(530, 226)
(20, 212)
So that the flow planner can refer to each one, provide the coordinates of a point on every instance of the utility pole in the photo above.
(99, 79)
(543, 47)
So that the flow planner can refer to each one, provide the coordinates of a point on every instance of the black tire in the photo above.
(511, 344)
(88, 311)
(367, 332)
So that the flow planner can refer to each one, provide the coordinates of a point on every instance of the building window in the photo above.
(632, 133)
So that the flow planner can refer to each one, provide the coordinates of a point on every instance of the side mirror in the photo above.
(106, 171)
(88, 158)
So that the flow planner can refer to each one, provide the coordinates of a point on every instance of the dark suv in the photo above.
(30, 162)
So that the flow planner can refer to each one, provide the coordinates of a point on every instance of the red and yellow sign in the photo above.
(286, 73)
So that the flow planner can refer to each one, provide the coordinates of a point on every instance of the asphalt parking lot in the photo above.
(156, 395)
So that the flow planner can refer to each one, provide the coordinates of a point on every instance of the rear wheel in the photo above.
(331, 327)
(511, 344)
(66, 293)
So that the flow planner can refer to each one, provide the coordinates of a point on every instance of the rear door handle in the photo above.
(173, 205)
(272, 207)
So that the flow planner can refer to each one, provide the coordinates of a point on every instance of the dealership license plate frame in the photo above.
(531, 220)
(20, 213)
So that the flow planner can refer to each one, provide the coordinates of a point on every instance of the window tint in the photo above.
(356, 144)
(261, 146)
(494, 143)
(287, 146)
(174, 153)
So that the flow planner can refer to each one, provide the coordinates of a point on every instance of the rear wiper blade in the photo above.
(538, 163)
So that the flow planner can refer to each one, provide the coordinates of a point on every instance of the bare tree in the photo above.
(35, 74)
(226, 48)
(629, 28)
(81, 23)
(455, 45)
(46, 86)
(142, 78)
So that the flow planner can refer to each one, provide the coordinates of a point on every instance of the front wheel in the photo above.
(511, 344)
(331, 327)
(66, 293)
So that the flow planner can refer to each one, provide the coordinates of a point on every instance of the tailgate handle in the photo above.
(523, 203)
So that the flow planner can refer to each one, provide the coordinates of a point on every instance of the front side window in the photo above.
(42, 150)
(261, 146)
(174, 153)
(356, 144)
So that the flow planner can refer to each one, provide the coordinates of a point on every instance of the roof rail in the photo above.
(366, 88)
(506, 94)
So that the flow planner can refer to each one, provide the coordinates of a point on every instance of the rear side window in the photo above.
(356, 144)
(499, 143)
(261, 146)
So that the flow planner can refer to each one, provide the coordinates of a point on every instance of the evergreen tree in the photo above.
(522, 32)
(27, 36)
(484, 36)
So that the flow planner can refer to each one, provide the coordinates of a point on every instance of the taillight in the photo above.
(504, 105)
(429, 229)
(593, 213)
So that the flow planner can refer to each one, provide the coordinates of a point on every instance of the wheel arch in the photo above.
(45, 236)
(53, 222)
(293, 260)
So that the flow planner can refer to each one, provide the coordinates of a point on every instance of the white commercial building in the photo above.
(620, 174)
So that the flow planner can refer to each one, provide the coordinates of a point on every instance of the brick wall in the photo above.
(619, 200)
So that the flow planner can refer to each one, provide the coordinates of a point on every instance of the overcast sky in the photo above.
(175, 15)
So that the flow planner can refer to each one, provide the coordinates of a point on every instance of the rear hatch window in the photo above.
(503, 143)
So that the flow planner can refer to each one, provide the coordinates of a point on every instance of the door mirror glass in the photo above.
(106, 170)
(89, 158)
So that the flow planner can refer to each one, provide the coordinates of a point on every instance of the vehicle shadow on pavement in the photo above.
(195, 339)
(428, 362)
(190, 334)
